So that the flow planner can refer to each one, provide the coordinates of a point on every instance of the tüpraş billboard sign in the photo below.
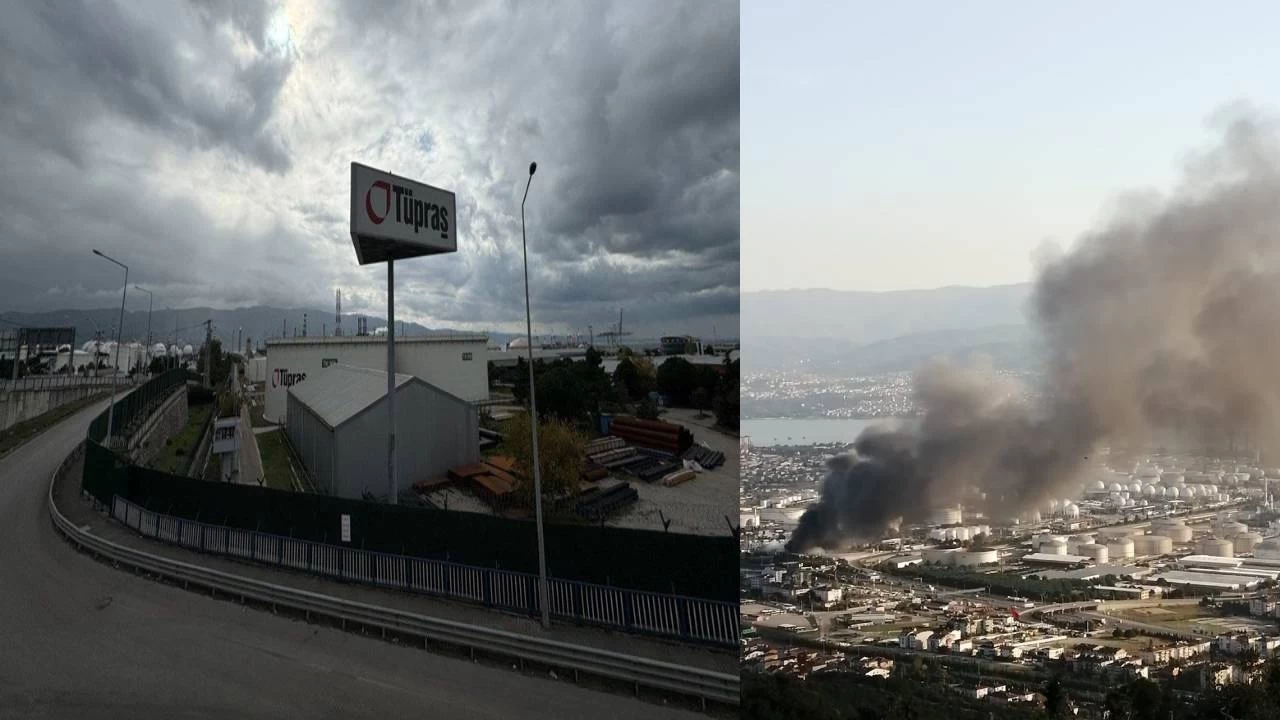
(393, 217)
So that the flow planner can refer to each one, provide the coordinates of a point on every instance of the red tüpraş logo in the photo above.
(386, 201)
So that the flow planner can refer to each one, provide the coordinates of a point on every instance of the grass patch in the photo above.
(18, 434)
(176, 455)
(277, 470)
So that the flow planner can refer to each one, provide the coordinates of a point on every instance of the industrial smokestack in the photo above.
(1163, 319)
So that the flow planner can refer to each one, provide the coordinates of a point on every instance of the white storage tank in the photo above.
(938, 556)
(1173, 492)
(1246, 542)
(1178, 533)
(945, 516)
(1055, 547)
(1216, 546)
(976, 557)
(1152, 545)
(1097, 553)
(1231, 528)
(1071, 511)
(1123, 548)
(962, 533)
(1118, 532)
(1148, 491)
(1267, 549)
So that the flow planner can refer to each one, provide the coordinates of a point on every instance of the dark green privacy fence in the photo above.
(687, 565)
(134, 408)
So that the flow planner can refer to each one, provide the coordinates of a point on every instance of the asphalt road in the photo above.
(79, 639)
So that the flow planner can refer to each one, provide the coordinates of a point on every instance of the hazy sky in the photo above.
(891, 146)
(208, 144)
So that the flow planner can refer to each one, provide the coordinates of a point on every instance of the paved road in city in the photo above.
(79, 639)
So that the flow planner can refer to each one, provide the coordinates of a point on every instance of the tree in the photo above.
(559, 395)
(647, 410)
(593, 357)
(700, 397)
(1055, 699)
(627, 377)
(678, 378)
(560, 453)
(727, 402)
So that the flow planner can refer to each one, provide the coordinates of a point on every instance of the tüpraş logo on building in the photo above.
(283, 378)
(409, 211)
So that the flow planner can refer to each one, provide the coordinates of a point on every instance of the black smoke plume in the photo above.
(1167, 318)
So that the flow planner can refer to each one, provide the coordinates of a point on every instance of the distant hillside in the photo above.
(864, 317)
(1009, 347)
(184, 326)
(865, 332)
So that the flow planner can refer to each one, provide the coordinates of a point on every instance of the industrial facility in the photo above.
(337, 423)
(456, 364)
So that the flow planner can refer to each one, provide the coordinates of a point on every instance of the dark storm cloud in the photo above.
(207, 143)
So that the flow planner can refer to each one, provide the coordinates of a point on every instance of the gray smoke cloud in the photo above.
(1164, 320)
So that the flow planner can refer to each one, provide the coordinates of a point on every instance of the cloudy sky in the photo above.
(916, 145)
(208, 145)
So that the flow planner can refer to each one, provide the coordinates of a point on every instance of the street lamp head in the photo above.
(533, 168)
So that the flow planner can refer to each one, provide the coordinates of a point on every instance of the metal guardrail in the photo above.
(59, 382)
(671, 616)
(640, 672)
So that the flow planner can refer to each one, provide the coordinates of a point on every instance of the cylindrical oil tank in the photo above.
(963, 533)
(1152, 545)
(945, 516)
(1231, 528)
(1216, 546)
(1118, 532)
(1055, 547)
(977, 557)
(1267, 549)
(1177, 533)
(1084, 538)
(1097, 553)
(1123, 547)
(938, 555)
(1246, 542)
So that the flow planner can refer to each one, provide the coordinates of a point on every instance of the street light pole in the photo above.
(533, 417)
(150, 304)
(115, 371)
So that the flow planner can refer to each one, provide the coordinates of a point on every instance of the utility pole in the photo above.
(208, 351)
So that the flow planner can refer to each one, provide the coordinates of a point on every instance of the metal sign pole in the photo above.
(391, 380)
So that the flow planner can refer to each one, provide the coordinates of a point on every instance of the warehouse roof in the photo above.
(1092, 573)
(327, 340)
(339, 392)
(1210, 561)
(1054, 559)
(1210, 580)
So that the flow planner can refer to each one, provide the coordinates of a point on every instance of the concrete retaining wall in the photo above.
(167, 421)
(22, 405)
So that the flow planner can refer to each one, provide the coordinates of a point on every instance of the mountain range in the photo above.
(186, 326)
(852, 332)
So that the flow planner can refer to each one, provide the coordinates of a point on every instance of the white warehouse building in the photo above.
(456, 364)
(337, 423)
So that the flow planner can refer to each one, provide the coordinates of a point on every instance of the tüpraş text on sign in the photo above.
(393, 217)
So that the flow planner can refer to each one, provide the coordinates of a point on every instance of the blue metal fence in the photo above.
(673, 616)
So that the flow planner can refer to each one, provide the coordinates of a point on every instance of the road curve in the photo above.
(79, 639)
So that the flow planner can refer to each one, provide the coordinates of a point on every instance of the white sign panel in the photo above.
(393, 217)
(226, 437)
(346, 528)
